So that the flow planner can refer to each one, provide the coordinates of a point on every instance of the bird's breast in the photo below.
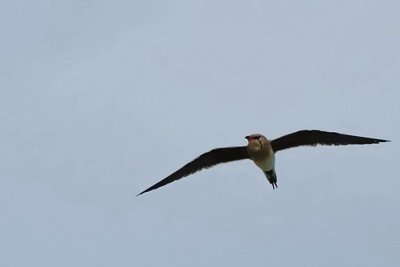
(267, 163)
(262, 155)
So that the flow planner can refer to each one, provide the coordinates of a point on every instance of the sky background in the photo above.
(101, 99)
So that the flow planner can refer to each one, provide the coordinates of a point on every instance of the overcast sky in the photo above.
(101, 99)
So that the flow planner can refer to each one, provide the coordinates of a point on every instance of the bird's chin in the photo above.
(255, 146)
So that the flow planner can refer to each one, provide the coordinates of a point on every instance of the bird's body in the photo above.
(262, 152)
(267, 163)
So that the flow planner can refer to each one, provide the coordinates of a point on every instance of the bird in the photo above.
(262, 152)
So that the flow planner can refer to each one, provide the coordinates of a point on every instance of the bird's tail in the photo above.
(272, 179)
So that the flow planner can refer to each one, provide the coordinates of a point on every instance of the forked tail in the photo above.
(272, 179)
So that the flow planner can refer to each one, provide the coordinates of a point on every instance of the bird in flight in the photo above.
(262, 152)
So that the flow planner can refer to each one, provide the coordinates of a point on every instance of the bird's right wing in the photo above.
(206, 160)
(316, 137)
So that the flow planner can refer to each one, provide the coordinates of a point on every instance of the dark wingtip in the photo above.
(142, 192)
(151, 188)
(381, 141)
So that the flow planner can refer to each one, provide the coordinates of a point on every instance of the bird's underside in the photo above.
(261, 151)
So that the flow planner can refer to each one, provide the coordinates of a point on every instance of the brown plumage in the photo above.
(262, 152)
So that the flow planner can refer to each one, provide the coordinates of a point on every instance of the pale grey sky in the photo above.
(101, 99)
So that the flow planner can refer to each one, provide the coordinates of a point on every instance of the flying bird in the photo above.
(262, 152)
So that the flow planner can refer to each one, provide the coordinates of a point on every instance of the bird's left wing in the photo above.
(206, 160)
(316, 137)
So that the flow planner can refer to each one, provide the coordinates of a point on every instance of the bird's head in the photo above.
(255, 137)
(256, 141)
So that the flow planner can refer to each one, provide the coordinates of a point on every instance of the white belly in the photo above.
(266, 164)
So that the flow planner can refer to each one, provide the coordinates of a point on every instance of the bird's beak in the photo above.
(247, 137)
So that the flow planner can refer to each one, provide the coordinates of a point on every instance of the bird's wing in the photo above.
(206, 160)
(315, 137)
